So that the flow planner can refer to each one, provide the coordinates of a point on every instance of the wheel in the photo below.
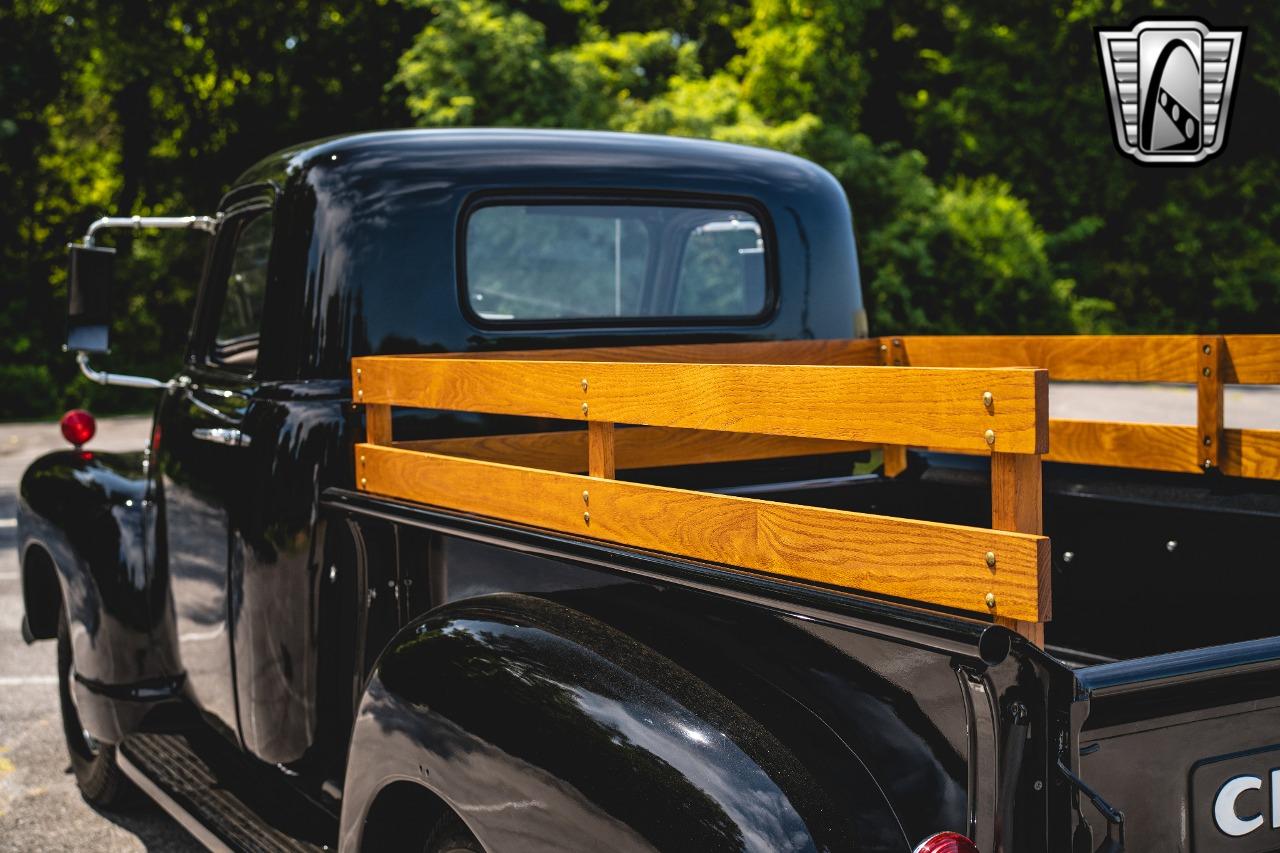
(452, 836)
(99, 778)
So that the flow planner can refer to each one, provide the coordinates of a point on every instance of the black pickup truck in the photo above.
(285, 659)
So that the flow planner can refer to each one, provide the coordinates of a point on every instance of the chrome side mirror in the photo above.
(89, 298)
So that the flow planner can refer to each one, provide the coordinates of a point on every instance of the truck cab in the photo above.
(202, 575)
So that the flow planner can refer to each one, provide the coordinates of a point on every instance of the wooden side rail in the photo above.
(959, 408)
(966, 568)
(754, 404)
(1209, 361)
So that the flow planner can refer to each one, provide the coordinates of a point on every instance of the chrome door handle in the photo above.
(221, 435)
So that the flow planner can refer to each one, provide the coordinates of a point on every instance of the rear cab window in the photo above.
(527, 261)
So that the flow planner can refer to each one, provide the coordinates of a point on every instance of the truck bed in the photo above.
(1144, 563)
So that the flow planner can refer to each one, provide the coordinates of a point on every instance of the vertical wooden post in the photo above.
(1209, 408)
(893, 353)
(600, 450)
(377, 423)
(1017, 504)
(895, 459)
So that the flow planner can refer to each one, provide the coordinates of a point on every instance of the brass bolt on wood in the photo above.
(586, 517)
(897, 342)
(884, 348)
(991, 559)
(1207, 349)
(988, 399)
(584, 408)
(359, 371)
(1207, 372)
(990, 436)
(1208, 464)
(991, 600)
(360, 392)
(363, 481)
(586, 496)
(584, 385)
(1208, 440)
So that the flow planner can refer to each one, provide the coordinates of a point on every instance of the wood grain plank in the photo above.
(636, 447)
(1153, 447)
(1094, 358)
(1252, 359)
(1251, 453)
(922, 561)
(601, 450)
(881, 405)
(818, 352)
(1210, 353)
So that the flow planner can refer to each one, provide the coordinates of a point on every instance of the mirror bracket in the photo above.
(198, 223)
(123, 380)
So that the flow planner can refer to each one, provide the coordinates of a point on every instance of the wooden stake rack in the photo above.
(701, 403)
(1210, 362)
(682, 404)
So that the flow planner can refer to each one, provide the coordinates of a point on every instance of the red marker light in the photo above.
(78, 426)
(947, 842)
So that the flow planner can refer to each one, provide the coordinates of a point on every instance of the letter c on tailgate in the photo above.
(1224, 807)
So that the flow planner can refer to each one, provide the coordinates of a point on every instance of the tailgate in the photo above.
(1187, 746)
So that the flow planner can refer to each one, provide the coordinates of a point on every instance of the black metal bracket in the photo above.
(1113, 816)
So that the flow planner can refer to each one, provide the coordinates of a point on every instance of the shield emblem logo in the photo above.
(1169, 85)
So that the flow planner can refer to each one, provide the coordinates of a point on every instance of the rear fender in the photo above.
(545, 729)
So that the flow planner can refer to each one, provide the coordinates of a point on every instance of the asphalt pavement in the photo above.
(40, 807)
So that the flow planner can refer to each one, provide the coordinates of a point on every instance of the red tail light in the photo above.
(78, 426)
(947, 842)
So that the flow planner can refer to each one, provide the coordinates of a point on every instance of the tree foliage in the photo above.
(971, 136)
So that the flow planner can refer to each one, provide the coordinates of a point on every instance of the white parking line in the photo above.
(20, 680)
(8, 576)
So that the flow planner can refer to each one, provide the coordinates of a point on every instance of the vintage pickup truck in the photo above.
(544, 491)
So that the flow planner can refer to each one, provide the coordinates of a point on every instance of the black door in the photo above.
(202, 456)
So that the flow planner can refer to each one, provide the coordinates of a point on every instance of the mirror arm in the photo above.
(123, 380)
(198, 223)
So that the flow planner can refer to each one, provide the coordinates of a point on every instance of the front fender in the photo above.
(88, 512)
(545, 729)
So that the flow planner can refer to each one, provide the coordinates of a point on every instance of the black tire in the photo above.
(99, 778)
(452, 836)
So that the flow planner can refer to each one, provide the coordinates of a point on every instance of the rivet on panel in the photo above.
(988, 399)
(991, 599)
(586, 517)
(1207, 372)
(1207, 349)
(586, 496)
(584, 385)
(991, 559)
(363, 481)
(584, 408)
(990, 436)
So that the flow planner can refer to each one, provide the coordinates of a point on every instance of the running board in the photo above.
(226, 800)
